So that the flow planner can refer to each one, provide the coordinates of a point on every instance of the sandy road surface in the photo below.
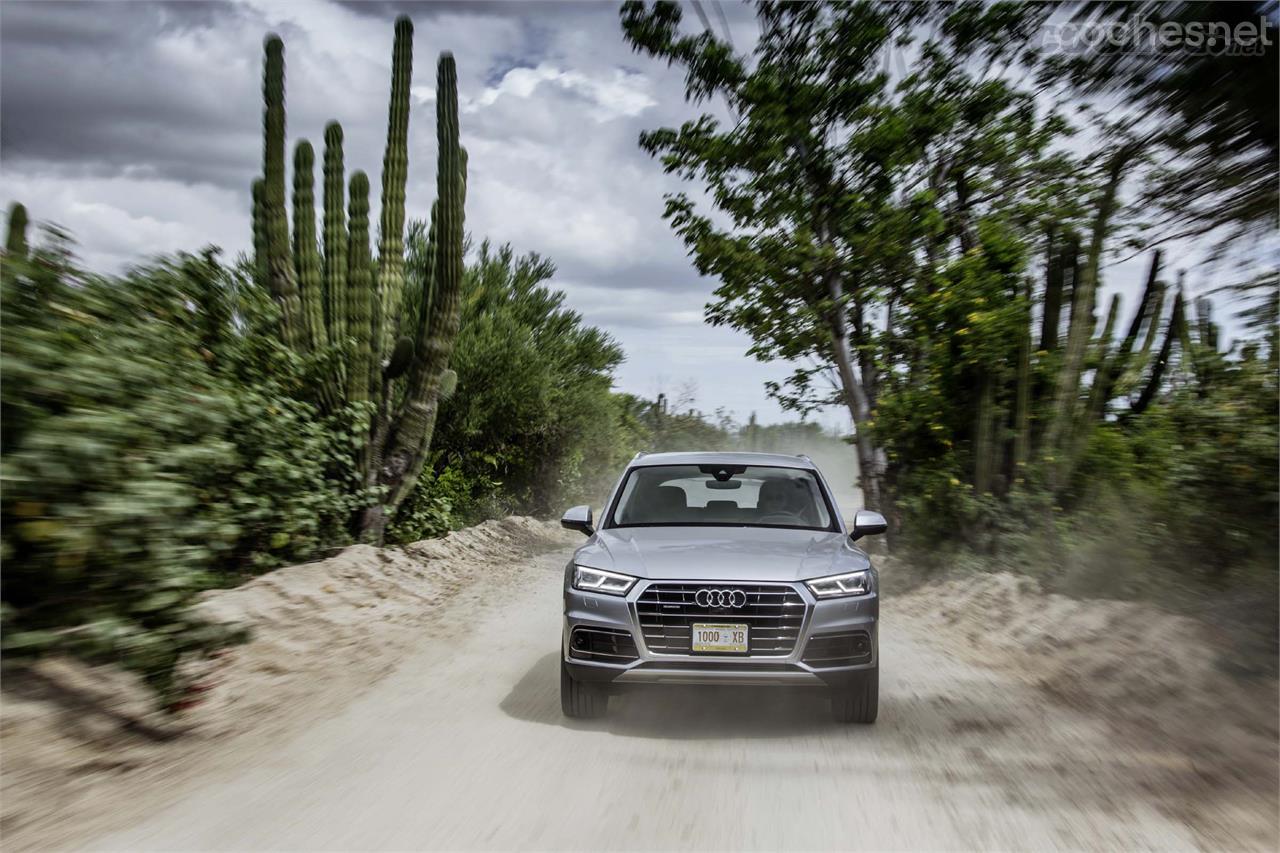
(463, 746)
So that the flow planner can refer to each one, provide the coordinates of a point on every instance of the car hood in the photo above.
(721, 553)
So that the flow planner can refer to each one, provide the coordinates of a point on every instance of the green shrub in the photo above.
(153, 447)
(533, 424)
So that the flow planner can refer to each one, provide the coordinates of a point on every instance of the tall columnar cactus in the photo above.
(281, 274)
(1112, 364)
(261, 245)
(15, 244)
(306, 255)
(1022, 392)
(395, 173)
(393, 358)
(1064, 415)
(335, 235)
(1058, 256)
(1174, 331)
(437, 334)
(359, 289)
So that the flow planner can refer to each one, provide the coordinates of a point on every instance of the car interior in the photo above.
(661, 498)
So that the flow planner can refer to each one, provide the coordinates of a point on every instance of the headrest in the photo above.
(667, 498)
(776, 491)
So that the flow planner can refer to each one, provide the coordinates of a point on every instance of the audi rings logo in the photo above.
(720, 598)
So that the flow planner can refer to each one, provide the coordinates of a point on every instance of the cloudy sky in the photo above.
(137, 127)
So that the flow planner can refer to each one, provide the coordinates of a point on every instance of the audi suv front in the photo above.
(721, 568)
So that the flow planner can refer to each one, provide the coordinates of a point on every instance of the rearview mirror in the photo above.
(578, 518)
(867, 523)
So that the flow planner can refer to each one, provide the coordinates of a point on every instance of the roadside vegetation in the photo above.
(928, 245)
(906, 200)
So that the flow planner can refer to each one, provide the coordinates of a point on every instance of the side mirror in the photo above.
(579, 518)
(867, 523)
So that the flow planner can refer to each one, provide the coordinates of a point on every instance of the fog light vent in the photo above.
(606, 645)
(845, 649)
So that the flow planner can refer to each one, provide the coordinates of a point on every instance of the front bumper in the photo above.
(844, 616)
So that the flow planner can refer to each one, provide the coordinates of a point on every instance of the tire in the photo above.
(860, 701)
(580, 699)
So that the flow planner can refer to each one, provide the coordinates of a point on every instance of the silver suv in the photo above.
(721, 568)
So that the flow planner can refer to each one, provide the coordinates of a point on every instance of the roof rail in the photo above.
(638, 455)
(804, 457)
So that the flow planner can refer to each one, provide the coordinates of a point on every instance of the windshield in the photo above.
(721, 495)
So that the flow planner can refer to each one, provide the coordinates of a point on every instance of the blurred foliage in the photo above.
(534, 425)
(1218, 141)
(160, 440)
(927, 242)
(153, 447)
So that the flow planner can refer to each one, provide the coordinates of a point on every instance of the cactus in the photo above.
(260, 246)
(1059, 256)
(280, 267)
(395, 172)
(306, 257)
(1063, 414)
(391, 355)
(1176, 329)
(359, 286)
(15, 244)
(335, 235)
(1113, 364)
(1022, 413)
(402, 464)
(984, 444)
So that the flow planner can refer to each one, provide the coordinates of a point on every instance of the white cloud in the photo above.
(167, 117)
(121, 221)
(622, 93)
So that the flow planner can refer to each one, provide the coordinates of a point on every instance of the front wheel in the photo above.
(580, 699)
(860, 701)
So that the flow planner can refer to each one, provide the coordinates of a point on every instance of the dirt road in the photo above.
(463, 746)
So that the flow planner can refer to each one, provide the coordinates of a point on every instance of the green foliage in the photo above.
(154, 444)
(833, 179)
(931, 250)
(441, 503)
(534, 423)
(1202, 466)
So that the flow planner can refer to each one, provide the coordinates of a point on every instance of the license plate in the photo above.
(719, 637)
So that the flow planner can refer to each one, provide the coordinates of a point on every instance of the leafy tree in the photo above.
(537, 425)
(937, 225)
(825, 182)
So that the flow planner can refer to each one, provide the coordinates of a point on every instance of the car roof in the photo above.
(777, 460)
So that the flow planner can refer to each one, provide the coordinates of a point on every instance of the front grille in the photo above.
(606, 645)
(773, 613)
(847, 649)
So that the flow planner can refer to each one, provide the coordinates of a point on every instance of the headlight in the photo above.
(598, 580)
(853, 583)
